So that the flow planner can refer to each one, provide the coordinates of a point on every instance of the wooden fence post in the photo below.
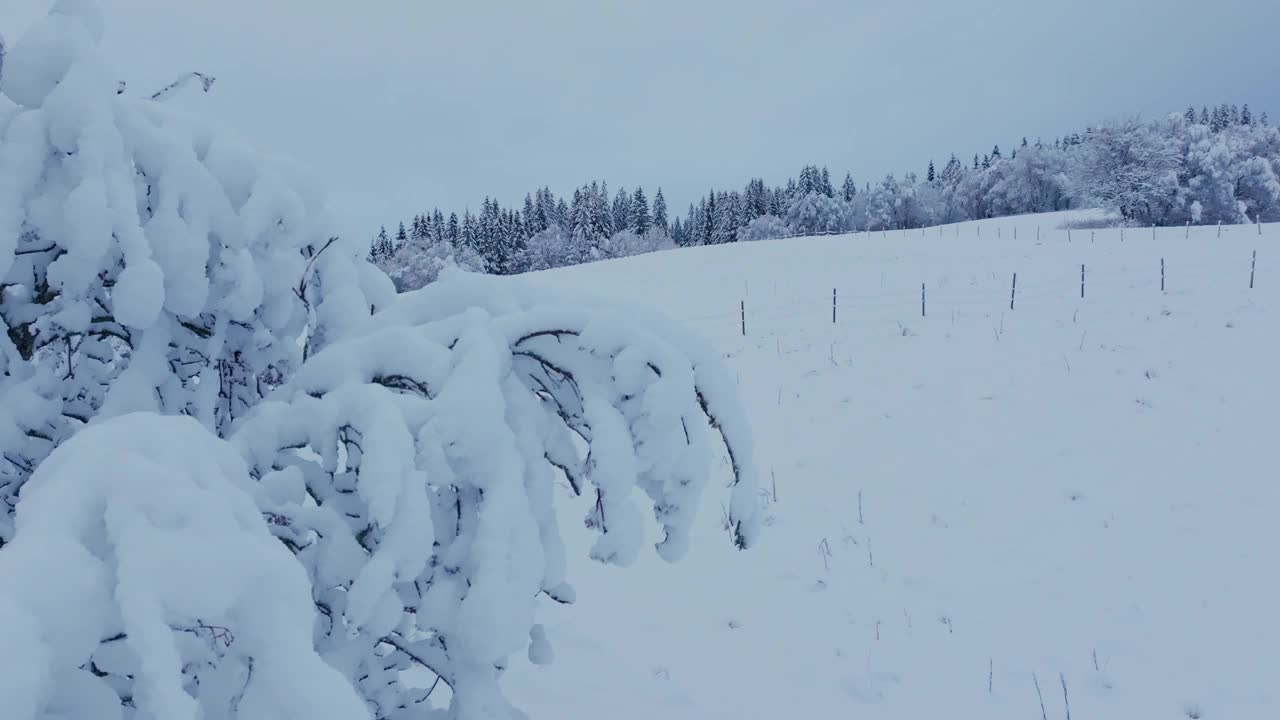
(742, 308)
(922, 300)
(1082, 281)
(1013, 292)
(1253, 266)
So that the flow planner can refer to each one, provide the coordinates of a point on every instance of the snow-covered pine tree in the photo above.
(641, 221)
(530, 215)
(660, 213)
(1246, 117)
(621, 214)
(849, 189)
(453, 233)
(438, 231)
(931, 175)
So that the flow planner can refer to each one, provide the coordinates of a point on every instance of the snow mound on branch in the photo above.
(142, 568)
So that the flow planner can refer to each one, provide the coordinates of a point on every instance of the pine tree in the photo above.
(381, 246)
(660, 212)
(402, 236)
(621, 210)
(1246, 117)
(562, 214)
(1262, 120)
(825, 181)
(530, 214)
(931, 175)
(995, 154)
(1190, 115)
(849, 189)
(438, 231)
(708, 219)
(1233, 117)
(641, 221)
(986, 162)
(468, 235)
(976, 163)
(1204, 115)
(677, 233)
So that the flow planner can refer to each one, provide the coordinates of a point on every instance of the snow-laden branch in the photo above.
(168, 91)
(412, 467)
(142, 575)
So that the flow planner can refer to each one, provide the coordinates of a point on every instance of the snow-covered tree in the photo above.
(143, 582)
(1126, 167)
(405, 460)
(416, 263)
(146, 263)
(815, 212)
(421, 457)
(639, 215)
(660, 220)
(765, 227)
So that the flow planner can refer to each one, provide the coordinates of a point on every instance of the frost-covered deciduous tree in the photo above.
(418, 262)
(143, 583)
(146, 263)
(816, 212)
(765, 227)
(412, 468)
(1126, 167)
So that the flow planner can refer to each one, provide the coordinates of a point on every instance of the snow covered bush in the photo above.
(627, 243)
(415, 264)
(412, 467)
(143, 583)
(146, 263)
(765, 227)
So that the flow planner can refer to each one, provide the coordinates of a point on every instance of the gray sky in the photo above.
(401, 105)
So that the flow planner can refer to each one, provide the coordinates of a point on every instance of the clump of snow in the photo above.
(142, 570)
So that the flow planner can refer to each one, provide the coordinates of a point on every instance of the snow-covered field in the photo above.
(1076, 492)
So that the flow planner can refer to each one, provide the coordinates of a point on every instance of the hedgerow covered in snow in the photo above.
(161, 287)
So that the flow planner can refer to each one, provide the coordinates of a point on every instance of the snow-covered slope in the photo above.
(1076, 492)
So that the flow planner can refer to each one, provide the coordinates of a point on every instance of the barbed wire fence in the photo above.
(1020, 290)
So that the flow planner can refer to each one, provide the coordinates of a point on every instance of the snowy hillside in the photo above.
(973, 514)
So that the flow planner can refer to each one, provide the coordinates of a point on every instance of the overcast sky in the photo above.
(402, 105)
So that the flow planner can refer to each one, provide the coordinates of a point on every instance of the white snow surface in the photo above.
(1076, 493)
